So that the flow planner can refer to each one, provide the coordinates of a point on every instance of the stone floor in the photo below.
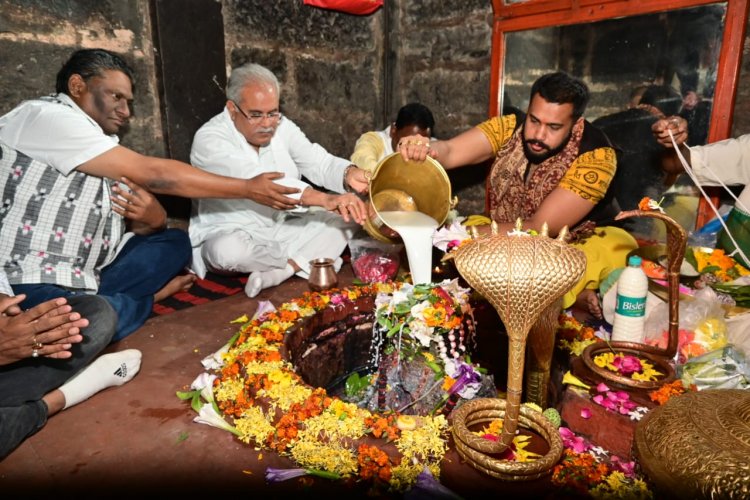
(140, 438)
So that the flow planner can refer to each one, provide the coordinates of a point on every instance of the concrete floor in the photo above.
(140, 437)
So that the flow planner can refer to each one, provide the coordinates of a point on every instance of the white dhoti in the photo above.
(298, 238)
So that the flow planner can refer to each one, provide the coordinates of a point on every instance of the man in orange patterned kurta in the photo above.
(552, 166)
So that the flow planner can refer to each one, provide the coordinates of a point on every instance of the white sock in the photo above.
(106, 371)
(265, 279)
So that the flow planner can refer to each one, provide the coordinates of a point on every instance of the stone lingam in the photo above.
(522, 276)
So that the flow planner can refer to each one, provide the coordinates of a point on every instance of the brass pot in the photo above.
(398, 184)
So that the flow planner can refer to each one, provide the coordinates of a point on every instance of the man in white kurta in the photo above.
(249, 137)
(720, 163)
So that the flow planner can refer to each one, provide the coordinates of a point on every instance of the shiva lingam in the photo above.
(522, 276)
(676, 243)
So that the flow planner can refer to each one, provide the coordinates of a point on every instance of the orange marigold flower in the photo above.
(644, 204)
(662, 394)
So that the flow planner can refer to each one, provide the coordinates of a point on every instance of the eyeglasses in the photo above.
(257, 117)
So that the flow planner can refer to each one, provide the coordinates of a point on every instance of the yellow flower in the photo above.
(494, 428)
(330, 427)
(648, 373)
(254, 426)
(522, 454)
(228, 390)
(605, 360)
(576, 347)
(329, 456)
(404, 475)
(426, 441)
(285, 397)
(242, 319)
(448, 383)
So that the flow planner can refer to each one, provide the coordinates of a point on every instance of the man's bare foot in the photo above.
(179, 283)
(587, 306)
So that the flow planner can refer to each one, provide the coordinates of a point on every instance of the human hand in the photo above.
(350, 206)
(415, 147)
(358, 179)
(690, 100)
(12, 308)
(262, 189)
(676, 124)
(48, 329)
(139, 206)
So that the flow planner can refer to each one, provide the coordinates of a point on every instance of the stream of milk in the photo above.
(415, 229)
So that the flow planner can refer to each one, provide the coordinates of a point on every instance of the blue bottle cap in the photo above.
(634, 261)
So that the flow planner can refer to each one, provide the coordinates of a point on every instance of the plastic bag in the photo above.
(374, 261)
(702, 327)
(724, 368)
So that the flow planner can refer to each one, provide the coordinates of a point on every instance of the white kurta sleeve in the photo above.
(727, 160)
(4, 285)
(314, 162)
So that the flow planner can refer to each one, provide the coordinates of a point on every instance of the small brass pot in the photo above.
(322, 275)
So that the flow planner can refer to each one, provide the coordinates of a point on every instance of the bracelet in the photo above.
(347, 187)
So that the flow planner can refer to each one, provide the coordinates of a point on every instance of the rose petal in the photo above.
(602, 387)
(586, 413)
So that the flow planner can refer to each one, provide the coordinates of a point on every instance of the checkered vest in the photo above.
(54, 228)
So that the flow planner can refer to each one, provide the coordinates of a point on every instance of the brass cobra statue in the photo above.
(521, 276)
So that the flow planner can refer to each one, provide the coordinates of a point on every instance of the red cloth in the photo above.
(357, 7)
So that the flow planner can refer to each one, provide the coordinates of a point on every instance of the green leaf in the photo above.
(393, 330)
(323, 473)
(187, 395)
(352, 384)
(434, 367)
(182, 437)
(690, 257)
(234, 337)
(402, 308)
(196, 404)
(356, 384)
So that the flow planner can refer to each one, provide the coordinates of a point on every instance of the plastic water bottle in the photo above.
(630, 310)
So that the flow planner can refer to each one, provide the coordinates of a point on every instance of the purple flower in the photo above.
(278, 475)
(466, 376)
(429, 487)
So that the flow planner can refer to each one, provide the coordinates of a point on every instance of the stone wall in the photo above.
(441, 58)
(37, 37)
(342, 75)
(329, 64)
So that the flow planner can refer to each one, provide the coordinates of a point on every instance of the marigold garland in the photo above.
(272, 407)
